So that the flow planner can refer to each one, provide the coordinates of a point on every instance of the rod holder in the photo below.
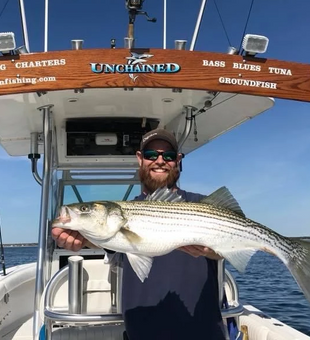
(180, 44)
(22, 50)
(232, 50)
(34, 143)
(75, 284)
(77, 44)
(129, 42)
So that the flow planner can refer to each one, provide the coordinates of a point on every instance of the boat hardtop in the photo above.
(84, 111)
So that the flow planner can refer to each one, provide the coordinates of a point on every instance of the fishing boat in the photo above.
(83, 112)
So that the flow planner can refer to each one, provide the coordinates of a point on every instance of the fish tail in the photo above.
(299, 263)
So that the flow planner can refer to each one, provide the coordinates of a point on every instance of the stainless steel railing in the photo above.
(72, 315)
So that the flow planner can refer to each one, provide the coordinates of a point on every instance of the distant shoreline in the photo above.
(10, 245)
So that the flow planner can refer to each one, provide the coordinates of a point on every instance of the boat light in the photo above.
(7, 42)
(113, 43)
(253, 44)
(167, 100)
(180, 44)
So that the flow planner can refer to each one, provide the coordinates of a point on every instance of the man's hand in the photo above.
(69, 239)
(201, 251)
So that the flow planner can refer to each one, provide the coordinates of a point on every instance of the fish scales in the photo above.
(179, 213)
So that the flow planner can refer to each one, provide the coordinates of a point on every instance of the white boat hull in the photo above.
(17, 301)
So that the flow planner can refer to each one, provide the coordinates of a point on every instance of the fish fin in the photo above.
(300, 238)
(299, 263)
(130, 235)
(140, 264)
(165, 194)
(239, 258)
(224, 199)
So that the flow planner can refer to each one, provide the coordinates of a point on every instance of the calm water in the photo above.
(267, 285)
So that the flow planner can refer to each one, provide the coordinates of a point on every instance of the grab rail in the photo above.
(229, 279)
(236, 309)
(82, 318)
(232, 311)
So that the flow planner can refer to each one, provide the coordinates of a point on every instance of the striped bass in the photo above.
(164, 222)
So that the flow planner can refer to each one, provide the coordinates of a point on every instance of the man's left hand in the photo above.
(201, 251)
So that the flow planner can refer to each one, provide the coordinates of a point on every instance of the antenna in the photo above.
(2, 252)
(24, 24)
(165, 25)
(202, 8)
(46, 26)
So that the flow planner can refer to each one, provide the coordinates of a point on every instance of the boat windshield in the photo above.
(100, 192)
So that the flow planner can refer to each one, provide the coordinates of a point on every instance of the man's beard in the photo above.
(151, 184)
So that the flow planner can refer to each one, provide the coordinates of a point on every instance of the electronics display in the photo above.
(106, 136)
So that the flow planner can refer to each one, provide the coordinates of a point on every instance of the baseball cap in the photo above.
(159, 134)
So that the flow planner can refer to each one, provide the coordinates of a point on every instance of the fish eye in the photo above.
(84, 208)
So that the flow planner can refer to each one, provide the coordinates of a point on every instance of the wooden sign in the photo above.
(154, 68)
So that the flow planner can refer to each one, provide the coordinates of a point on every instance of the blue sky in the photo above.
(264, 162)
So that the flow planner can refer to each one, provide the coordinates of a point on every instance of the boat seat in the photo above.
(263, 327)
(90, 333)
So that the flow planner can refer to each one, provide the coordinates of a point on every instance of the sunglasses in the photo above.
(152, 155)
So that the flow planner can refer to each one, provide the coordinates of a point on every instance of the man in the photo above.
(179, 300)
